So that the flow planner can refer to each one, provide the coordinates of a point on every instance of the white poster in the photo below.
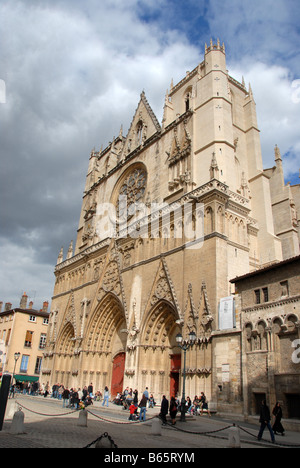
(227, 313)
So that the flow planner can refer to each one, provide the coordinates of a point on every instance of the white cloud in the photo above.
(278, 115)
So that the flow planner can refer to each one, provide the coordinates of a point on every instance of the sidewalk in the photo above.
(49, 425)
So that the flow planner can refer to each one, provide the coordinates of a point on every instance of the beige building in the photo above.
(23, 330)
(269, 302)
(171, 213)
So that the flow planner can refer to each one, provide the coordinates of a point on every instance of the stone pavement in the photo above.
(49, 425)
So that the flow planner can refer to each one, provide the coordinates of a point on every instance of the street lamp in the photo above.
(16, 358)
(185, 346)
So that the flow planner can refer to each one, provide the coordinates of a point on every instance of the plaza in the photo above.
(48, 425)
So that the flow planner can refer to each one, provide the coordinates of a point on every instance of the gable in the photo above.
(143, 126)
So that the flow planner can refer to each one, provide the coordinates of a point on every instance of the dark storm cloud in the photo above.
(74, 71)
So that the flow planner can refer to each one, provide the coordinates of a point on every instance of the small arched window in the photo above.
(139, 133)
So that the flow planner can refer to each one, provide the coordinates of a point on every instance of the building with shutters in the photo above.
(23, 330)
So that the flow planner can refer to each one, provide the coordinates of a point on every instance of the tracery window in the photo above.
(131, 194)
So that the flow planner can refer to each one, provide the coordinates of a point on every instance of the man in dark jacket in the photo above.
(265, 421)
(164, 409)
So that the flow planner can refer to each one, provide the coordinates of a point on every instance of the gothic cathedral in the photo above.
(171, 213)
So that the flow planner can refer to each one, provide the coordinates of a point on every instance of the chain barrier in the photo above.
(43, 414)
(113, 421)
(198, 433)
(105, 435)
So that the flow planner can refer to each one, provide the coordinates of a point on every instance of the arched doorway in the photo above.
(159, 351)
(105, 343)
(118, 374)
(65, 354)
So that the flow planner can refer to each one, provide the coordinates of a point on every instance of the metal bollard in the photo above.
(156, 427)
(17, 425)
(234, 438)
(82, 421)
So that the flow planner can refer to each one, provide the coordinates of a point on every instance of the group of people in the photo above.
(130, 396)
(196, 407)
(130, 400)
(74, 398)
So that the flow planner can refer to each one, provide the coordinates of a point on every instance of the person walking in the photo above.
(106, 396)
(164, 409)
(143, 406)
(173, 410)
(265, 421)
(278, 427)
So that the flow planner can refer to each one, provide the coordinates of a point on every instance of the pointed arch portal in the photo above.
(160, 357)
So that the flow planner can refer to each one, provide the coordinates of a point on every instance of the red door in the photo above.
(118, 374)
(175, 373)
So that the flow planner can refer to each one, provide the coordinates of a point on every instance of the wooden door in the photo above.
(118, 374)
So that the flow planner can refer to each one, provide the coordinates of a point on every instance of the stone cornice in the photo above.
(270, 305)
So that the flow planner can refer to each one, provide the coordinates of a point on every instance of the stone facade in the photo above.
(197, 213)
(270, 323)
(285, 200)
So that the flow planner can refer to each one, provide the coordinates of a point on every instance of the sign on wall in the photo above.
(227, 318)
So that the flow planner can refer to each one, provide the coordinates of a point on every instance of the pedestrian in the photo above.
(66, 397)
(146, 393)
(173, 410)
(75, 397)
(106, 396)
(204, 404)
(151, 401)
(265, 421)
(132, 411)
(143, 406)
(47, 389)
(12, 391)
(278, 427)
(84, 393)
(135, 398)
(91, 390)
(164, 409)
(60, 391)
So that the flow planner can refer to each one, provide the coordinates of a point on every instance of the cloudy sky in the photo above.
(72, 72)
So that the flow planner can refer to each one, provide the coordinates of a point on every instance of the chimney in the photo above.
(45, 306)
(30, 305)
(1, 305)
(8, 306)
(23, 302)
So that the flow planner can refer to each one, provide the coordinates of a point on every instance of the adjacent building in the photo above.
(269, 306)
(23, 332)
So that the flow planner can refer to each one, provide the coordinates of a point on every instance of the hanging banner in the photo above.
(227, 313)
